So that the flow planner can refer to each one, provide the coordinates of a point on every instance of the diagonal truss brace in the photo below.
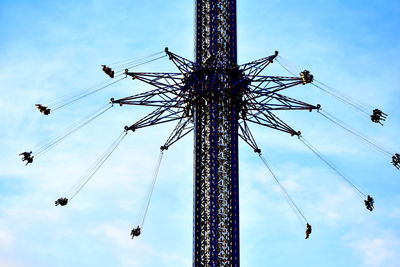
(184, 127)
(247, 136)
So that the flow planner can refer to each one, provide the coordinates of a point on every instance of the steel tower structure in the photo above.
(215, 98)
(216, 185)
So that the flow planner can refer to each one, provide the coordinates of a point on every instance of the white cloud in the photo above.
(378, 251)
(6, 239)
(128, 250)
(10, 263)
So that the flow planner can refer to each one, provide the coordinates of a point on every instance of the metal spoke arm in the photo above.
(254, 68)
(158, 97)
(247, 136)
(159, 80)
(267, 118)
(152, 103)
(158, 116)
(271, 84)
(184, 65)
(183, 127)
(278, 102)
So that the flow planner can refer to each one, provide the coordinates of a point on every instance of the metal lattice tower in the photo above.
(216, 189)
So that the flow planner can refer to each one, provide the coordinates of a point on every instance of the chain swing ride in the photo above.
(215, 98)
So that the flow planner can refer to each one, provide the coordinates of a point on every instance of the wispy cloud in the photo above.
(378, 251)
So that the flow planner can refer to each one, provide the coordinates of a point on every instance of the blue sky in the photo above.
(51, 48)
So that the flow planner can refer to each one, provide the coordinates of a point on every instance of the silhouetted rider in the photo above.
(308, 231)
(27, 156)
(108, 71)
(61, 201)
(135, 232)
(369, 203)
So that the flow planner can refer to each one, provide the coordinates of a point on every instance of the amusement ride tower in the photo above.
(214, 98)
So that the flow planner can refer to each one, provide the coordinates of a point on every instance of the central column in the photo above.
(216, 104)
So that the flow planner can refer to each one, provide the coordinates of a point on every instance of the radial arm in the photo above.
(158, 97)
(160, 80)
(267, 118)
(276, 101)
(184, 65)
(255, 67)
(183, 127)
(158, 116)
(247, 136)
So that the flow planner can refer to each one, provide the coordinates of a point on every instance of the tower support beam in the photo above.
(216, 190)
